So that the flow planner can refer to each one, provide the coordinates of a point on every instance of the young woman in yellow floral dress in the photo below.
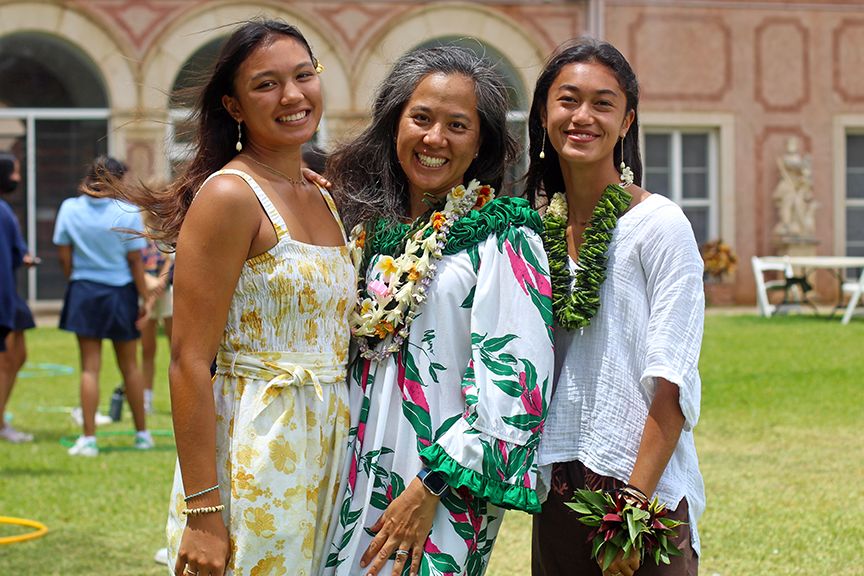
(264, 283)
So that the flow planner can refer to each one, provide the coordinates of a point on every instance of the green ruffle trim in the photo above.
(471, 229)
(498, 493)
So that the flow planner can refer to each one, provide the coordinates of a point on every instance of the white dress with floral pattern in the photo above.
(281, 404)
(466, 395)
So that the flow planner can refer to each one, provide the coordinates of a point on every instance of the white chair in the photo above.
(856, 288)
(788, 282)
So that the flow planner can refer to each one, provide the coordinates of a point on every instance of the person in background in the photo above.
(628, 329)
(159, 267)
(99, 242)
(15, 315)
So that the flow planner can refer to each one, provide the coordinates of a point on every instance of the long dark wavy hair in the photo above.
(216, 130)
(367, 177)
(544, 176)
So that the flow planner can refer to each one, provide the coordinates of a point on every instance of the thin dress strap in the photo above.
(272, 213)
(332, 206)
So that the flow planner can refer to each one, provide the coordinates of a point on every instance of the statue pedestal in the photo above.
(795, 245)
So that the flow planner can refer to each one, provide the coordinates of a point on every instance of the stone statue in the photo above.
(793, 196)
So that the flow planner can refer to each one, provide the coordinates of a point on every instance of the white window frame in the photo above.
(844, 124)
(721, 177)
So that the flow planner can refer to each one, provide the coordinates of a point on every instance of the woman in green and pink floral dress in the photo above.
(452, 371)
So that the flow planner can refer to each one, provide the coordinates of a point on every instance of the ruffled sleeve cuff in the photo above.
(495, 491)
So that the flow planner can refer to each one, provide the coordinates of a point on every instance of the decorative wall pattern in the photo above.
(661, 55)
(782, 64)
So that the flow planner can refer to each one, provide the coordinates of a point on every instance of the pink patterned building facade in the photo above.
(725, 83)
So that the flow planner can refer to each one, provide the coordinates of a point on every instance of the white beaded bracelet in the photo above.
(207, 510)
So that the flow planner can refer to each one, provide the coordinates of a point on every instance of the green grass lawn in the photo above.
(781, 446)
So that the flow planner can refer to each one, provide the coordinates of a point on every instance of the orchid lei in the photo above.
(388, 304)
(574, 308)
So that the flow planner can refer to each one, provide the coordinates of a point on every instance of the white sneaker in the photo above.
(85, 446)
(144, 441)
(78, 416)
(161, 556)
(7, 432)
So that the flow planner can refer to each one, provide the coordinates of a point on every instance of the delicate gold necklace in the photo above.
(300, 182)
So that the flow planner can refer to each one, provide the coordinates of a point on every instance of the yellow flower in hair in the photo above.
(319, 68)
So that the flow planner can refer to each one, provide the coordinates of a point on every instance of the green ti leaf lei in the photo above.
(619, 524)
(574, 308)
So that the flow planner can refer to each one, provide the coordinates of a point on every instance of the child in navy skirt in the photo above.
(99, 244)
(15, 316)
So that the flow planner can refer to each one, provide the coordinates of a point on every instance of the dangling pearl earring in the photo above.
(626, 172)
(543, 148)
(239, 145)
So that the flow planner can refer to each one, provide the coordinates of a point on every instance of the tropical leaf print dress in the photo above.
(281, 405)
(467, 394)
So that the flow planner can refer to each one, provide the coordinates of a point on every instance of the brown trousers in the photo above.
(559, 542)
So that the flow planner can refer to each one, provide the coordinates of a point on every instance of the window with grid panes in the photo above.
(854, 197)
(682, 165)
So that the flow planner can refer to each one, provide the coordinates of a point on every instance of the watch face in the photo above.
(435, 483)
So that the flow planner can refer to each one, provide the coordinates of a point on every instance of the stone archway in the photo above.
(447, 19)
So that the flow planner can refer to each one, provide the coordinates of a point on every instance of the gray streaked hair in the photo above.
(367, 177)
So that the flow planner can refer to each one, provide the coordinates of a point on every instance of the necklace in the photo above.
(300, 182)
(388, 304)
(576, 301)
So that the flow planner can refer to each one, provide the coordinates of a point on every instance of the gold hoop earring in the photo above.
(626, 172)
(239, 145)
(543, 148)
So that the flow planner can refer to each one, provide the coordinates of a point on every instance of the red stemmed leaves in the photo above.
(620, 524)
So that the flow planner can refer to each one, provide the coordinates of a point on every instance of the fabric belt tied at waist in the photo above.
(302, 370)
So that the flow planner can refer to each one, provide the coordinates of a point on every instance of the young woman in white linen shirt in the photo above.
(628, 390)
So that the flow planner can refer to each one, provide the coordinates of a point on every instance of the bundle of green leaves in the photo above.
(622, 525)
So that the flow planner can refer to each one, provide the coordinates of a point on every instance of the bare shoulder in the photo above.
(225, 202)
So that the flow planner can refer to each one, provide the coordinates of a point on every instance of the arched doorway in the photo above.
(54, 115)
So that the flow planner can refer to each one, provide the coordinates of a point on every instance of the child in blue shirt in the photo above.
(99, 244)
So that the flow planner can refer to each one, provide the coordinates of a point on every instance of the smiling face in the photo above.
(586, 113)
(277, 95)
(438, 135)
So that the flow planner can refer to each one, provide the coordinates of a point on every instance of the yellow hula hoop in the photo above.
(41, 530)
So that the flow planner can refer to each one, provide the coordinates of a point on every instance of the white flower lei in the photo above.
(390, 303)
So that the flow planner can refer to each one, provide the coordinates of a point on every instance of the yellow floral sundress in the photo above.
(281, 404)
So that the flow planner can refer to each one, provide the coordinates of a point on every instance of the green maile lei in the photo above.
(574, 308)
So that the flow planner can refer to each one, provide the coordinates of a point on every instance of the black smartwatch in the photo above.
(434, 482)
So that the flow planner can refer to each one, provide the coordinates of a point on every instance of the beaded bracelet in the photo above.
(207, 510)
(187, 498)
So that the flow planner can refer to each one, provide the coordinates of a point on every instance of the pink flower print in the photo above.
(519, 267)
(352, 475)
(527, 274)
